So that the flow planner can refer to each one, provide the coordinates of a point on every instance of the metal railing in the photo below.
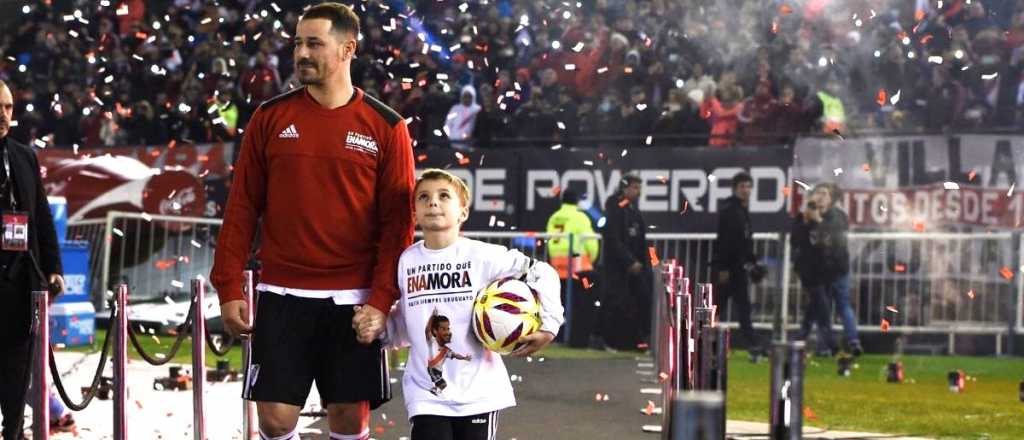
(941, 283)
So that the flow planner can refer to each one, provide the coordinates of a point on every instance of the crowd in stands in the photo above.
(495, 73)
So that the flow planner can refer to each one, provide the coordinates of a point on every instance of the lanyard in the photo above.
(10, 178)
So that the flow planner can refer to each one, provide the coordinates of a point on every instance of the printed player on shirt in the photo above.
(454, 375)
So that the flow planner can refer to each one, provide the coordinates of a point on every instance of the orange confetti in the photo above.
(919, 14)
(421, 158)
(654, 256)
(882, 97)
(785, 9)
(809, 413)
(885, 325)
(918, 226)
(379, 430)
(663, 376)
(1006, 273)
(555, 191)
(972, 175)
(775, 26)
(900, 267)
(586, 283)
(866, 168)
(463, 160)
(649, 409)
(623, 203)
(925, 39)
(970, 294)
(786, 191)
(165, 264)
(686, 207)
(642, 346)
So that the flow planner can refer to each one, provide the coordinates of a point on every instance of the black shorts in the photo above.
(298, 341)
(479, 427)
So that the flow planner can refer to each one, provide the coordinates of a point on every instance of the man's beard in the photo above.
(312, 79)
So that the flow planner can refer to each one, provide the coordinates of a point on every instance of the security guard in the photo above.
(569, 219)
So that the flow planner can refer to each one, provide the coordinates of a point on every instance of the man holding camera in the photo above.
(734, 263)
(823, 263)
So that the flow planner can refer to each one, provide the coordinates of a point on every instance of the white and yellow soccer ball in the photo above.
(504, 312)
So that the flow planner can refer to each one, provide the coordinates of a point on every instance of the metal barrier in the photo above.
(155, 254)
(695, 250)
(122, 334)
(943, 283)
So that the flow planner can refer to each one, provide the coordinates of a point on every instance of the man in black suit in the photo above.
(24, 266)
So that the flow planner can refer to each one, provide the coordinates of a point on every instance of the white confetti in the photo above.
(951, 185)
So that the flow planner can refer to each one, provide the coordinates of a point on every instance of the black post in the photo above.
(787, 390)
(698, 415)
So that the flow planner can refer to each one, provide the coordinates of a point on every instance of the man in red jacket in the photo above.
(326, 171)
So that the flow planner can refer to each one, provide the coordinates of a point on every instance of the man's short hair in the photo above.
(741, 177)
(438, 174)
(343, 19)
(570, 196)
(833, 190)
(629, 179)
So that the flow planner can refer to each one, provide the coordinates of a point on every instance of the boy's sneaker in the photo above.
(64, 424)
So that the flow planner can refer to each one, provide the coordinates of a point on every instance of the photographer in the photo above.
(806, 257)
(829, 260)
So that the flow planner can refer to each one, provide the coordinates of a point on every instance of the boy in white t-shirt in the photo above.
(453, 386)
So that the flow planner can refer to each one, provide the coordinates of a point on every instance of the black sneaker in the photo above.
(855, 348)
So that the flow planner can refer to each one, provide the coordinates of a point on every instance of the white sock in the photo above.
(294, 435)
(365, 435)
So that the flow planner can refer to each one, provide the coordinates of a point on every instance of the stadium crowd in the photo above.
(488, 73)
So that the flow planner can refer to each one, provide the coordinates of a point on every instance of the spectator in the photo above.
(462, 119)
(680, 124)
(723, 115)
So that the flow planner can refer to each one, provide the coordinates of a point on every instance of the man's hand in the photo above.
(723, 276)
(58, 280)
(635, 268)
(532, 343)
(369, 323)
(235, 315)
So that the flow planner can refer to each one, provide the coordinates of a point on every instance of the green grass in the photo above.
(922, 405)
(162, 344)
(989, 408)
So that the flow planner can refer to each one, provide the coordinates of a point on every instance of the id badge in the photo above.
(15, 231)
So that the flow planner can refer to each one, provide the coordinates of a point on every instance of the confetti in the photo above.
(970, 294)
(809, 413)
(885, 325)
(951, 185)
(892, 309)
(919, 226)
(649, 409)
(654, 255)
(623, 203)
(1006, 273)
(882, 97)
(586, 283)
(900, 268)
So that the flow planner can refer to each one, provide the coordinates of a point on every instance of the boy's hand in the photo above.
(533, 343)
(369, 323)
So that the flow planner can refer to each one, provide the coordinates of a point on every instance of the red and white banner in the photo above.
(924, 208)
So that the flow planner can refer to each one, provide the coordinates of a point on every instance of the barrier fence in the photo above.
(941, 283)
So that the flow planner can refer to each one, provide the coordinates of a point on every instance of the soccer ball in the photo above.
(504, 312)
